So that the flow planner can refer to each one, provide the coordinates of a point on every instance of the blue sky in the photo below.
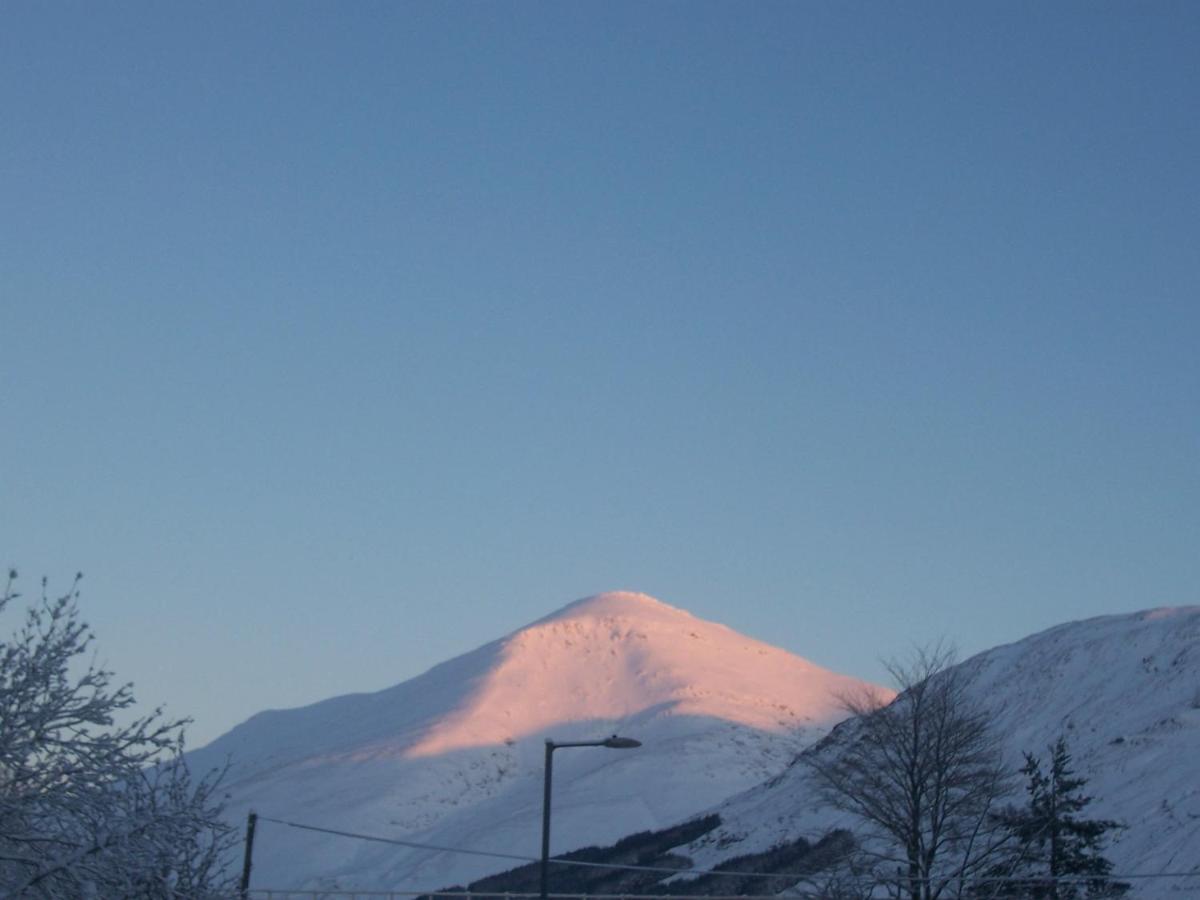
(338, 339)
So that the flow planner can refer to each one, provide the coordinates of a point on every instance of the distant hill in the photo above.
(1124, 691)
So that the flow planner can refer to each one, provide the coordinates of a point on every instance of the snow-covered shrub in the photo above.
(90, 807)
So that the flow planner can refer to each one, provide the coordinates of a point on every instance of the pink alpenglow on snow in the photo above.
(617, 654)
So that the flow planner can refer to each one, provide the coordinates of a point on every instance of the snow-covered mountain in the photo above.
(1124, 691)
(454, 757)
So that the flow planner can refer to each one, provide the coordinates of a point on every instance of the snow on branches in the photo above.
(91, 807)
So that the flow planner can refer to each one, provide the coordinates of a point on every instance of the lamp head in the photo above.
(621, 743)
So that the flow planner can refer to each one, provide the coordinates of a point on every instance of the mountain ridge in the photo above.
(1124, 689)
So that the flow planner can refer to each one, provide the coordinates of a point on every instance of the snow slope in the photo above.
(454, 757)
(1124, 690)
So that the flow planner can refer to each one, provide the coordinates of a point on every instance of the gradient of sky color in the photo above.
(338, 339)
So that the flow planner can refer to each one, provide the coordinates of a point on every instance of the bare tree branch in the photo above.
(921, 773)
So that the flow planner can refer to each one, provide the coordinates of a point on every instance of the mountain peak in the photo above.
(456, 754)
(616, 604)
(603, 659)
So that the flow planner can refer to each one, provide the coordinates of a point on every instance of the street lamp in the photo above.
(614, 743)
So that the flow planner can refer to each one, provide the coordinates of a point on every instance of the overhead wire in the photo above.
(417, 845)
(664, 870)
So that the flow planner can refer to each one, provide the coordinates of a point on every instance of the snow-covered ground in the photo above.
(1123, 690)
(454, 757)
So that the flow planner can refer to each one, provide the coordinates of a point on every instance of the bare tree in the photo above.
(850, 876)
(90, 807)
(923, 773)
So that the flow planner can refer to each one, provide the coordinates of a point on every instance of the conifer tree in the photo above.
(1058, 853)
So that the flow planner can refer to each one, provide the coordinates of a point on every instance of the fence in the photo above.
(1183, 885)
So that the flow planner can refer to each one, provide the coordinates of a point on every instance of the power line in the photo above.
(400, 843)
(525, 859)
(669, 871)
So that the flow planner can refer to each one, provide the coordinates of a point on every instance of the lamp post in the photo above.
(614, 743)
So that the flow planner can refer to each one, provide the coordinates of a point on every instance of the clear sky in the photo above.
(337, 339)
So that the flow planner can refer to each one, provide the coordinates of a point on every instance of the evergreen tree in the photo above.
(1057, 853)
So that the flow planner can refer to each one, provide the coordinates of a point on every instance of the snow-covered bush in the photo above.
(90, 807)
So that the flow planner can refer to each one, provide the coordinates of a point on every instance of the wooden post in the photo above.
(244, 888)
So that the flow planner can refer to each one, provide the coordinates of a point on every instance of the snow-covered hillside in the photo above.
(1124, 691)
(454, 757)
